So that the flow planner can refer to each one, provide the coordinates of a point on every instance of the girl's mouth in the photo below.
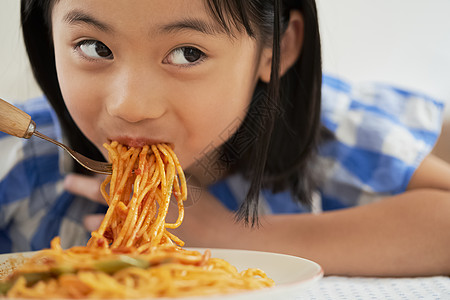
(136, 142)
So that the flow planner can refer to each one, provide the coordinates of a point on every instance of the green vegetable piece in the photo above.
(107, 266)
(5, 286)
(32, 278)
(113, 266)
(63, 269)
(35, 277)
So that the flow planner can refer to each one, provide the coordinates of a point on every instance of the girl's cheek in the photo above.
(77, 92)
(80, 94)
(80, 88)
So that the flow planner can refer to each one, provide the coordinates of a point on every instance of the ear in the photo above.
(290, 48)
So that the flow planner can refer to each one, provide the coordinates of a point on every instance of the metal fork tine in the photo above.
(18, 123)
(90, 164)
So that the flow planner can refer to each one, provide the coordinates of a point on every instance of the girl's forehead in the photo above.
(142, 6)
(156, 15)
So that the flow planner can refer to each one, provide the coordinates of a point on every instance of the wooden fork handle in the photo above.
(15, 122)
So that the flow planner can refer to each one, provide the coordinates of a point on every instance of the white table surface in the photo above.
(337, 288)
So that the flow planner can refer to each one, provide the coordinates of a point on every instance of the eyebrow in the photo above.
(77, 17)
(192, 24)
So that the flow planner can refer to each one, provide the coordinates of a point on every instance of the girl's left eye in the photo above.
(95, 49)
(185, 56)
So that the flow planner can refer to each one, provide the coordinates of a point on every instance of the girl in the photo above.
(236, 88)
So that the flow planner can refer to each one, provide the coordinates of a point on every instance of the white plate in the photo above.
(291, 274)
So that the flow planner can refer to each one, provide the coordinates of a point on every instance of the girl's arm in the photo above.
(404, 235)
(433, 172)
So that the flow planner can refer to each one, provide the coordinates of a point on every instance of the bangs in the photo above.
(241, 16)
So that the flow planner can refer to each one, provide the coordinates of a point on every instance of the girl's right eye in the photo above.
(94, 50)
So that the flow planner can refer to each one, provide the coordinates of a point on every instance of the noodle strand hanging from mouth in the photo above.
(140, 220)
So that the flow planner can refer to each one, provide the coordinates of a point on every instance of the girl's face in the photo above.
(148, 71)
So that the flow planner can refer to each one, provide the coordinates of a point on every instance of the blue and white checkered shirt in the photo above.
(381, 135)
(33, 205)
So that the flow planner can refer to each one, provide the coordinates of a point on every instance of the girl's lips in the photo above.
(136, 142)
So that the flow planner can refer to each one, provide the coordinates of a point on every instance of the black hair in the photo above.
(274, 146)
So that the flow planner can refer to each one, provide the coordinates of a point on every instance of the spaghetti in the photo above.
(132, 254)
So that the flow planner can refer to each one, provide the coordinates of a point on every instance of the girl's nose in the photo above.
(136, 96)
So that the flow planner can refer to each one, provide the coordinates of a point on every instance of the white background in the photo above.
(403, 42)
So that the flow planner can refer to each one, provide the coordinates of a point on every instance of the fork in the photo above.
(16, 122)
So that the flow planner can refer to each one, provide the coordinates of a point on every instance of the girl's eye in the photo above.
(185, 56)
(95, 49)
